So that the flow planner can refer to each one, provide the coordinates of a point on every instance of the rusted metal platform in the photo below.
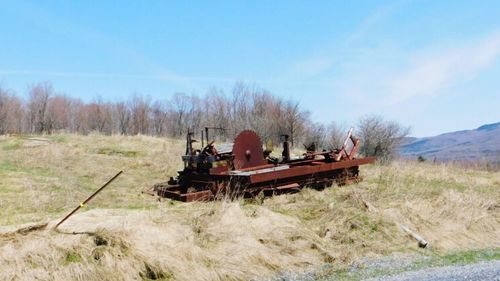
(247, 170)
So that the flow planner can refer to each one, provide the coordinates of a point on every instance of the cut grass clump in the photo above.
(72, 257)
(151, 273)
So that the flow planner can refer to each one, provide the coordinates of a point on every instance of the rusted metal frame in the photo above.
(213, 128)
(204, 195)
(306, 170)
(342, 151)
(355, 147)
(176, 193)
(202, 139)
(302, 180)
(287, 186)
(195, 176)
(244, 186)
(308, 161)
(302, 162)
(225, 172)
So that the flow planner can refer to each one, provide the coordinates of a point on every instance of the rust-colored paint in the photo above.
(246, 172)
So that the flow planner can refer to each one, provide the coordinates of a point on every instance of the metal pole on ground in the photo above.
(88, 199)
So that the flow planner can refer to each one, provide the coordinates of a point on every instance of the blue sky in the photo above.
(432, 65)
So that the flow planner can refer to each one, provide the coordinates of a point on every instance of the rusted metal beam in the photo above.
(308, 170)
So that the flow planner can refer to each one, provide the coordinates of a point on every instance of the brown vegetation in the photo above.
(247, 107)
(127, 236)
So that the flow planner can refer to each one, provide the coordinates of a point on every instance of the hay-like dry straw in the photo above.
(128, 236)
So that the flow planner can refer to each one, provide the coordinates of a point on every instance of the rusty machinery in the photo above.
(244, 168)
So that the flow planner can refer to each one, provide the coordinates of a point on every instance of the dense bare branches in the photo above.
(3, 111)
(59, 113)
(10, 113)
(159, 118)
(180, 104)
(122, 117)
(379, 137)
(99, 117)
(140, 110)
(316, 134)
(247, 107)
(37, 107)
(295, 119)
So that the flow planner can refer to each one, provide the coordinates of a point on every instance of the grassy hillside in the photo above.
(123, 235)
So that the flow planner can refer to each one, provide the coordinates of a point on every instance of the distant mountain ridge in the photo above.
(481, 144)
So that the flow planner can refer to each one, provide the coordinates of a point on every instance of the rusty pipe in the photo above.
(88, 199)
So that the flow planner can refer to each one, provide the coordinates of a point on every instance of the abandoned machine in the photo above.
(245, 168)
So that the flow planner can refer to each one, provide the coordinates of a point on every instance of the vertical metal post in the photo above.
(202, 142)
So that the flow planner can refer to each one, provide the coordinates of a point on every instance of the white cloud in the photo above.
(430, 73)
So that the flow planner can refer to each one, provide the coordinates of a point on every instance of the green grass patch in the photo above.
(58, 138)
(72, 257)
(119, 152)
(7, 166)
(465, 257)
(12, 146)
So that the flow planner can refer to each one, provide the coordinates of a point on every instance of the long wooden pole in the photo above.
(88, 199)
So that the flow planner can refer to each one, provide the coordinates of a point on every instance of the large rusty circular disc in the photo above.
(247, 150)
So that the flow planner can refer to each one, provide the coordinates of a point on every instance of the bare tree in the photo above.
(294, 120)
(380, 138)
(4, 100)
(99, 116)
(139, 108)
(240, 106)
(37, 107)
(258, 116)
(248, 107)
(78, 118)
(276, 125)
(11, 113)
(58, 113)
(159, 116)
(316, 134)
(122, 112)
(15, 115)
(180, 104)
(219, 108)
(335, 135)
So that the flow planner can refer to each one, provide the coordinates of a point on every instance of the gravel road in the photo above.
(488, 270)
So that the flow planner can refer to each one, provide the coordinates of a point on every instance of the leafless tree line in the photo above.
(246, 107)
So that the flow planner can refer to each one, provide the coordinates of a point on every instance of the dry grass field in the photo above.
(123, 235)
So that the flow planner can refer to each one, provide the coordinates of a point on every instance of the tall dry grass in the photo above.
(125, 236)
(53, 173)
